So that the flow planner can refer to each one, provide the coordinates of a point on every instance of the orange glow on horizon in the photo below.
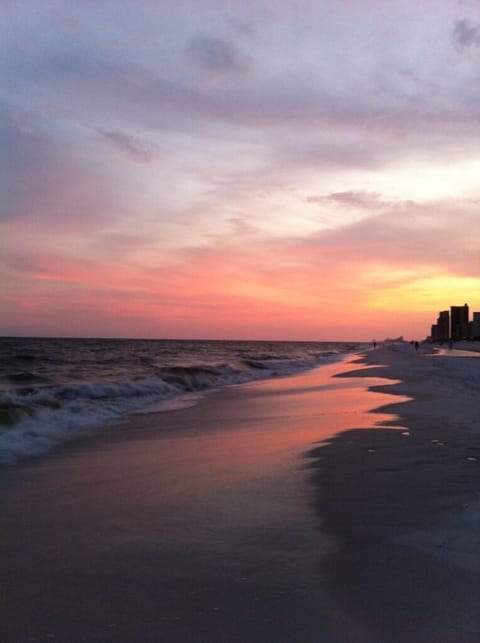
(234, 292)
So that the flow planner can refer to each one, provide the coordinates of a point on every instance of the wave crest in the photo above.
(33, 420)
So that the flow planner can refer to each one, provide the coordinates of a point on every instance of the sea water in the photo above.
(52, 390)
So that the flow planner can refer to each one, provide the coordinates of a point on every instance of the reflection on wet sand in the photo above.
(195, 523)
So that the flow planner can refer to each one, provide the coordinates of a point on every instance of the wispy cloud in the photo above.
(223, 168)
(50, 187)
(136, 149)
(466, 34)
(362, 200)
(216, 56)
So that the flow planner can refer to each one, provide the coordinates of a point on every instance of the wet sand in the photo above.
(243, 519)
(404, 505)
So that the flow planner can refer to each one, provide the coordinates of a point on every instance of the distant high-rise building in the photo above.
(476, 326)
(443, 323)
(459, 322)
(440, 332)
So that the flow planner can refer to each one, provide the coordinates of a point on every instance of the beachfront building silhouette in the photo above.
(459, 322)
(455, 325)
(441, 330)
(475, 333)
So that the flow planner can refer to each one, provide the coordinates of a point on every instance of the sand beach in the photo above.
(340, 504)
(209, 212)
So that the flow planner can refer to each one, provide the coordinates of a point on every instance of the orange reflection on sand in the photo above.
(265, 425)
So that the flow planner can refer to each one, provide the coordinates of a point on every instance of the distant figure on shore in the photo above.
(416, 346)
(374, 343)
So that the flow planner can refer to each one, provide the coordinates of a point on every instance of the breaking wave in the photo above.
(36, 415)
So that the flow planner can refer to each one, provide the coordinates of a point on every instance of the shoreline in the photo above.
(406, 507)
(216, 522)
(37, 420)
(193, 524)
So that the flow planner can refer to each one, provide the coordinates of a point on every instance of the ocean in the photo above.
(53, 390)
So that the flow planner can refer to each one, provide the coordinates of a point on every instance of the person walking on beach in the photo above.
(416, 347)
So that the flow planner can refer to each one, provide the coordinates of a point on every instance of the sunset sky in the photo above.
(256, 170)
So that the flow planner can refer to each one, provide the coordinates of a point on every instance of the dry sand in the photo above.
(243, 518)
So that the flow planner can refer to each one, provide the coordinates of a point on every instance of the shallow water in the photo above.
(203, 530)
(52, 390)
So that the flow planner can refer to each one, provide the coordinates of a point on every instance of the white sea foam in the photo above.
(37, 419)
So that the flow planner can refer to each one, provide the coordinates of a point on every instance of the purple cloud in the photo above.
(466, 34)
(363, 200)
(134, 148)
(216, 56)
(406, 235)
(46, 182)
